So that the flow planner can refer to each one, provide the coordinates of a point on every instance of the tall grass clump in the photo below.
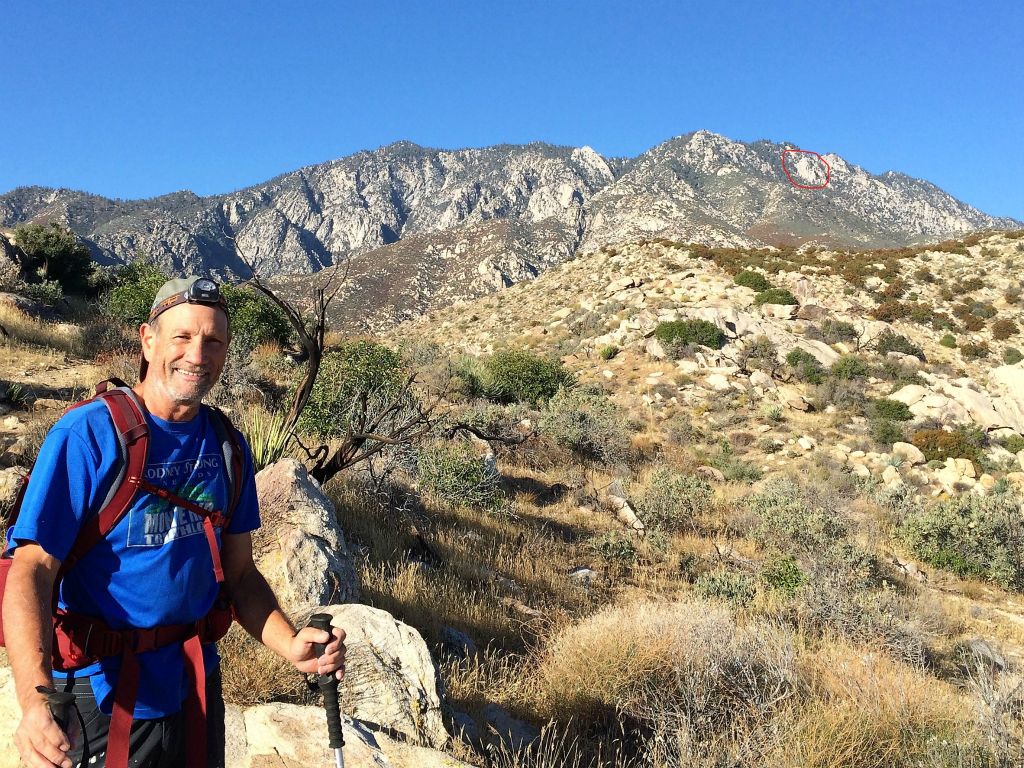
(457, 474)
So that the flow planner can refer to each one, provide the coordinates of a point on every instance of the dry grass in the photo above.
(865, 710)
(28, 330)
(252, 674)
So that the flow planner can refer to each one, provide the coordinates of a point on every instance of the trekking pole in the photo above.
(329, 688)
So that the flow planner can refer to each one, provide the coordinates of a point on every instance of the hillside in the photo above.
(420, 227)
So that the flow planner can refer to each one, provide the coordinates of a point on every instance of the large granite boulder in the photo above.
(300, 548)
(391, 679)
(290, 736)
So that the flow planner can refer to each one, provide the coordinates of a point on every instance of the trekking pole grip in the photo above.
(328, 684)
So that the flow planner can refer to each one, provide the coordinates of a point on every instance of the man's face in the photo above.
(186, 348)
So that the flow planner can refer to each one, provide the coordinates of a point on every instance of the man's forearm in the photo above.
(259, 612)
(28, 627)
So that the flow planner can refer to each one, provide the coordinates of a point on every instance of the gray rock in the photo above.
(391, 678)
(300, 548)
(457, 643)
(502, 728)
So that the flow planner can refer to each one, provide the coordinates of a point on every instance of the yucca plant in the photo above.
(267, 434)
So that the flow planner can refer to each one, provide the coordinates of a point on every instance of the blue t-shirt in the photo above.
(155, 567)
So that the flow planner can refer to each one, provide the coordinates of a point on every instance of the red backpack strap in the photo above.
(133, 439)
(233, 455)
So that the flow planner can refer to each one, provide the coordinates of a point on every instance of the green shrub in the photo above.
(1014, 443)
(972, 536)
(454, 472)
(849, 367)
(589, 424)
(783, 574)
(131, 293)
(844, 394)
(893, 410)
(356, 369)
(836, 331)
(775, 296)
(805, 366)
(681, 332)
(254, 318)
(972, 351)
(672, 501)
(1003, 329)
(520, 376)
(734, 587)
(939, 445)
(48, 292)
(55, 254)
(884, 431)
(750, 279)
(788, 524)
(948, 340)
(608, 351)
(614, 548)
(888, 341)
(1012, 356)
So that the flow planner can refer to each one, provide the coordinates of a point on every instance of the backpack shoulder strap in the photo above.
(129, 419)
(233, 456)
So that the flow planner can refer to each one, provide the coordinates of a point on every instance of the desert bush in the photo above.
(972, 351)
(1003, 329)
(844, 394)
(773, 413)
(672, 501)
(888, 341)
(10, 274)
(132, 290)
(520, 376)
(890, 311)
(849, 367)
(683, 332)
(805, 366)
(939, 445)
(971, 536)
(685, 661)
(1013, 443)
(733, 587)
(355, 369)
(1012, 295)
(836, 331)
(760, 354)
(783, 574)
(948, 340)
(750, 279)
(49, 293)
(252, 674)
(255, 319)
(608, 351)
(894, 410)
(614, 548)
(55, 255)
(775, 296)
(788, 523)
(885, 431)
(589, 424)
(1012, 356)
(895, 290)
(454, 472)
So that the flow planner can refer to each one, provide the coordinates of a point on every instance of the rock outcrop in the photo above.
(300, 548)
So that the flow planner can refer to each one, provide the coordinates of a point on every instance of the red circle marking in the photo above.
(828, 169)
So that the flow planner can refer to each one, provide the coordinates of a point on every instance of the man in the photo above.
(153, 569)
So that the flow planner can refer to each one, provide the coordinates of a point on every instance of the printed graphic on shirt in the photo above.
(156, 522)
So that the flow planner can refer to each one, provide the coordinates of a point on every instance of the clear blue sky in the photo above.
(134, 99)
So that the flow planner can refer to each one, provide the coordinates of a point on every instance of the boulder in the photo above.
(300, 548)
(891, 476)
(762, 380)
(779, 311)
(719, 382)
(10, 483)
(910, 394)
(292, 736)
(656, 349)
(812, 312)
(909, 452)
(500, 726)
(710, 473)
(391, 678)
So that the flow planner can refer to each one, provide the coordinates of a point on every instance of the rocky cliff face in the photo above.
(421, 227)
